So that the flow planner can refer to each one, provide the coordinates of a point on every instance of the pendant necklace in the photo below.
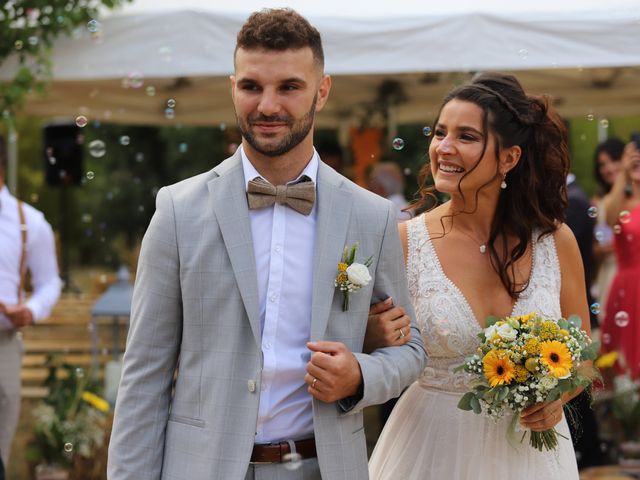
(482, 246)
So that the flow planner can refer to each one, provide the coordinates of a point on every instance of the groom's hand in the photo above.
(333, 373)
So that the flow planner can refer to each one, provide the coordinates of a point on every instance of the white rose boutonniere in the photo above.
(358, 274)
(351, 276)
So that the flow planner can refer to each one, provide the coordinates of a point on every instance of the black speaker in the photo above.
(62, 154)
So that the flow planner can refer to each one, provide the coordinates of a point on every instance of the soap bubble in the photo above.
(624, 216)
(398, 143)
(97, 148)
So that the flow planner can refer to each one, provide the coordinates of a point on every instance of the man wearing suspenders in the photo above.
(26, 244)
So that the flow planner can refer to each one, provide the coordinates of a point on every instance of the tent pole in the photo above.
(12, 165)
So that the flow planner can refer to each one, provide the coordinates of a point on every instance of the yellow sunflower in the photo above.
(498, 368)
(557, 358)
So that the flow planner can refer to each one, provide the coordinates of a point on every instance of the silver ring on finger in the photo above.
(313, 384)
(401, 334)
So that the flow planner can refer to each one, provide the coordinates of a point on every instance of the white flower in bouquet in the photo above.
(548, 382)
(502, 331)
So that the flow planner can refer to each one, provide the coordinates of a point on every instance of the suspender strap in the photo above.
(23, 254)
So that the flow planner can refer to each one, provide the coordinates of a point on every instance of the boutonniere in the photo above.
(352, 276)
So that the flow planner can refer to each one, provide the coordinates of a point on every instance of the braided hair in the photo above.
(536, 198)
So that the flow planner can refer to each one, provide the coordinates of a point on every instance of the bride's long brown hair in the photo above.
(536, 195)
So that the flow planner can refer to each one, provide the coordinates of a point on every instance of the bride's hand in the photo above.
(542, 416)
(387, 326)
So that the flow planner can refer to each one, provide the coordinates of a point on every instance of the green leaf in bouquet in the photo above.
(591, 352)
(562, 323)
(490, 395)
(503, 393)
(575, 320)
(566, 385)
(475, 405)
(490, 320)
(465, 401)
(479, 383)
(461, 368)
(554, 394)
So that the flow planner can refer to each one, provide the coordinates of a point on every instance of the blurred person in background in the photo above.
(386, 179)
(606, 168)
(620, 328)
(26, 244)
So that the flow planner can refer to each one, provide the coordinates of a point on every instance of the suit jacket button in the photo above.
(251, 385)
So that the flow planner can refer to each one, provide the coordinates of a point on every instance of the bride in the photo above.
(497, 247)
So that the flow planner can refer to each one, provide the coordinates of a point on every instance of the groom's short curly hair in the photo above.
(280, 29)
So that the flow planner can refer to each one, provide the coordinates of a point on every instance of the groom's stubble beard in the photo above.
(299, 129)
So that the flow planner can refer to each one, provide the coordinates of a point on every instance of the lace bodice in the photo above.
(446, 321)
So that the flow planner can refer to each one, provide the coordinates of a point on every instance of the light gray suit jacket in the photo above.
(196, 303)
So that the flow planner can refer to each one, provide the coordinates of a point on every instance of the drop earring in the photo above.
(503, 185)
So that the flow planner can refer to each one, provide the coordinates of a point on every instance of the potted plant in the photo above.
(622, 406)
(69, 423)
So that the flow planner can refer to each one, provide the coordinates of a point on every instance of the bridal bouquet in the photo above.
(526, 360)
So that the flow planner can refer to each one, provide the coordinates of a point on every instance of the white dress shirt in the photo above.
(41, 258)
(283, 243)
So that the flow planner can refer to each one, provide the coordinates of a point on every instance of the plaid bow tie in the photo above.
(299, 196)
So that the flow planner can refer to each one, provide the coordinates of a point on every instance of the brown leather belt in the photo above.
(275, 452)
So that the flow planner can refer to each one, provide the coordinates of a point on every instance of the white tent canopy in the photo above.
(584, 52)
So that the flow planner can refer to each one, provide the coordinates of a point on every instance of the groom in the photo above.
(240, 360)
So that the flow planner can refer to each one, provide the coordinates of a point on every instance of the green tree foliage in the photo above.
(28, 29)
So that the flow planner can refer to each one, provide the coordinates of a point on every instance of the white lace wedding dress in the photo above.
(427, 436)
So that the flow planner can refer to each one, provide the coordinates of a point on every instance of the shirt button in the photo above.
(273, 297)
(267, 345)
(251, 386)
(277, 249)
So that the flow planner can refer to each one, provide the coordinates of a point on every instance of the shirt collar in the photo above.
(250, 172)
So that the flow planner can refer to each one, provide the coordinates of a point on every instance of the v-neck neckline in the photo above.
(455, 287)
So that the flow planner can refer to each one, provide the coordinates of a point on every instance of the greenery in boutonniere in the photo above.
(351, 276)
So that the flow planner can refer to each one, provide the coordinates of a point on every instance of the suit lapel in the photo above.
(334, 211)
(227, 196)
